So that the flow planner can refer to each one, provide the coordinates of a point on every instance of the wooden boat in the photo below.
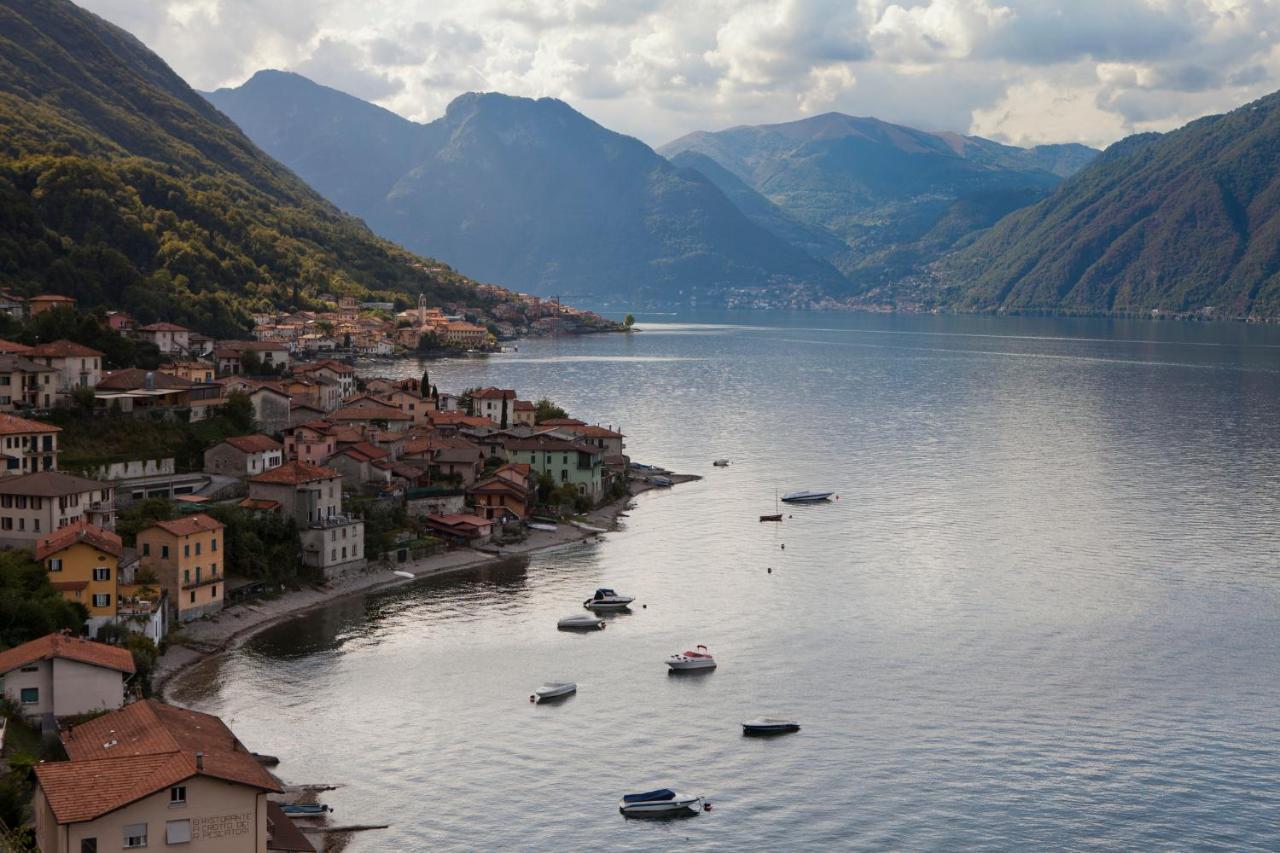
(769, 726)
(777, 516)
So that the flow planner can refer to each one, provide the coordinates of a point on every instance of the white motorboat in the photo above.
(808, 496)
(721, 463)
(581, 622)
(769, 726)
(607, 599)
(699, 658)
(406, 575)
(553, 690)
(662, 802)
(541, 525)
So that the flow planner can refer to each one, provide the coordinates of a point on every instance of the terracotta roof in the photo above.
(189, 524)
(12, 425)
(51, 297)
(79, 531)
(14, 348)
(253, 443)
(458, 419)
(227, 348)
(9, 362)
(597, 432)
(550, 445)
(497, 485)
(282, 835)
(459, 519)
(367, 408)
(554, 422)
(457, 454)
(294, 474)
(133, 378)
(52, 646)
(48, 484)
(335, 366)
(258, 503)
(164, 327)
(494, 394)
(64, 349)
(121, 757)
(525, 406)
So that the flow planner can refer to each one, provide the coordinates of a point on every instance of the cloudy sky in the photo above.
(1023, 71)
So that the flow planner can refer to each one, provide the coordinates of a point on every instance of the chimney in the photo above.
(200, 761)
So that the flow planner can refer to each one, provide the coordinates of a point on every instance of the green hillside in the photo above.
(120, 185)
(1180, 222)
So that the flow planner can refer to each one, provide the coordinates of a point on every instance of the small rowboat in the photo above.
(581, 622)
(769, 726)
(777, 516)
(721, 463)
(663, 802)
(553, 690)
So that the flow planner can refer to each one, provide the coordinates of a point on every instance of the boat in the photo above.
(721, 463)
(409, 575)
(807, 496)
(661, 482)
(553, 690)
(663, 801)
(305, 809)
(589, 528)
(541, 525)
(607, 599)
(581, 622)
(769, 726)
(699, 658)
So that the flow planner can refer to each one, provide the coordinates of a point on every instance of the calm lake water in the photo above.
(1044, 612)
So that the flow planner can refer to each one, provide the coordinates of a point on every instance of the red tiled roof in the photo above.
(525, 406)
(14, 348)
(493, 394)
(48, 484)
(294, 474)
(64, 349)
(187, 525)
(13, 425)
(52, 646)
(459, 519)
(143, 748)
(367, 408)
(253, 443)
(51, 297)
(282, 835)
(164, 327)
(597, 432)
(79, 531)
(258, 503)
(554, 422)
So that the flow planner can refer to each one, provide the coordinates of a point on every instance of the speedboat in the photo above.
(721, 463)
(699, 658)
(581, 622)
(305, 809)
(607, 599)
(805, 497)
(769, 726)
(663, 801)
(553, 690)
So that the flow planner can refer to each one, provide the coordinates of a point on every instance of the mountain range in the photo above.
(529, 193)
(1180, 222)
(121, 186)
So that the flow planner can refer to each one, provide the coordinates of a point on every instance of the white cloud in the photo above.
(1021, 70)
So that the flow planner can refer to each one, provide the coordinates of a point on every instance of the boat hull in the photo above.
(580, 623)
(769, 728)
(806, 497)
(618, 604)
(687, 664)
(661, 808)
(550, 692)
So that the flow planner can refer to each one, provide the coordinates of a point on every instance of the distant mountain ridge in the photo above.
(1180, 222)
(894, 196)
(531, 193)
(121, 186)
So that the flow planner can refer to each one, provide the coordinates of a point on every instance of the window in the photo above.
(186, 576)
(135, 835)
(193, 596)
(177, 831)
(186, 550)
(197, 549)
(213, 544)
(164, 552)
(88, 845)
(31, 669)
(213, 591)
(101, 573)
(102, 599)
(146, 549)
(55, 564)
(178, 795)
(30, 696)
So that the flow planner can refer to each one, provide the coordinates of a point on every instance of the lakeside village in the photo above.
(195, 482)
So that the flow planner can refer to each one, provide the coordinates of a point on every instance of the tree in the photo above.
(145, 654)
(238, 410)
(425, 388)
(84, 399)
(503, 423)
(250, 363)
(429, 342)
(629, 321)
(545, 410)
(29, 606)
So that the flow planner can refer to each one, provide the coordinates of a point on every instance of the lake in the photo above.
(1043, 612)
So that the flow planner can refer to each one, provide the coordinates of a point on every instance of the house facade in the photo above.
(32, 506)
(78, 366)
(244, 456)
(169, 338)
(64, 676)
(312, 497)
(83, 562)
(27, 446)
(24, 384)
(188, 556)
(579, 465)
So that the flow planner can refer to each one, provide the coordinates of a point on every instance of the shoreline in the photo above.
(236, 625)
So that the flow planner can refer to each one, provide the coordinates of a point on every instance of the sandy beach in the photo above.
(240, 622)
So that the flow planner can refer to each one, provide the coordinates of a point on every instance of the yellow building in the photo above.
(83, 562)
(187, 555)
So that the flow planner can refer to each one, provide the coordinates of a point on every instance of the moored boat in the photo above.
(663, 801)
(769, 726)
(807, 496)
(607, 599)
(305, 809)
(721, 463)
(581, 622)
(553, 690)
(699, 658)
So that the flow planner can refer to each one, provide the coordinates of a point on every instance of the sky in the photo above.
(1020, 71)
